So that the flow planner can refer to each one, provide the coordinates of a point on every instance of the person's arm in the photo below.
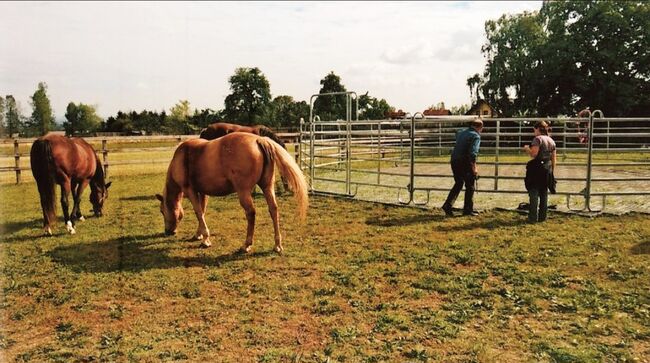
(533, 149)
(476, 143)
(553, 160)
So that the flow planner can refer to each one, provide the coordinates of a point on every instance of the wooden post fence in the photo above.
(17, 157)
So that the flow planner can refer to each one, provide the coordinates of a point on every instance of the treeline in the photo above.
(249, 103)
(566, 57)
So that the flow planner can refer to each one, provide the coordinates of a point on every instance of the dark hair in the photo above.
(543, 127)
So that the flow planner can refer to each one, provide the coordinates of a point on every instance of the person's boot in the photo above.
(447, 209)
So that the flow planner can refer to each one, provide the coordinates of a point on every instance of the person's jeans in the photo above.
(538, 198)
(462, 175)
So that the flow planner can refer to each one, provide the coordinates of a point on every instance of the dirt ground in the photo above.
(486, 199)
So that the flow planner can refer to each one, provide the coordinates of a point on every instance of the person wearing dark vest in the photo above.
(539, 172)
(463, 165)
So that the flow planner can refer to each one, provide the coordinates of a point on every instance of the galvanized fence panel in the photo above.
(406, 161)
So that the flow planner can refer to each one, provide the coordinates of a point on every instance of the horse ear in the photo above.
(108, 184)
(159, 197)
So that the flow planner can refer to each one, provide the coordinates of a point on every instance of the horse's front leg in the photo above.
(77, 191)
(65, 191)
(246, 201)
(199, 203)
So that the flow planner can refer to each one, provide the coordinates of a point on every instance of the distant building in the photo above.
(437, 112)
(483, 109)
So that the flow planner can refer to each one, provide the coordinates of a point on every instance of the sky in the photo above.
(132, 56)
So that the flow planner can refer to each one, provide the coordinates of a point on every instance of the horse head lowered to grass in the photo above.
(234, 163)
(72, 164)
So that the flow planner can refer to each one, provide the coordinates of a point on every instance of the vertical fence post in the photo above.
(17, 158)
(590, 144)
(348, 131)
(379, 152)
(607, 153)
(564, 138)
(439, 138)
(496, 157)
(105, 155)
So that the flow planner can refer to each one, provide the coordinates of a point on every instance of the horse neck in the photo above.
(172, 193)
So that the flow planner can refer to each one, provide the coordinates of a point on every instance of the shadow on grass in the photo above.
(642, 248)
(139, 253)
(402, 221)
(139, 197)
(482, 222)
(12, 227)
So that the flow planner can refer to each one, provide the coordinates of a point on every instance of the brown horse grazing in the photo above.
(234, 163)
(219, 129)
(73, 164)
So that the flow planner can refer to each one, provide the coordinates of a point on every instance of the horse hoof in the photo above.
(246, 249)
(48, 232)
(278, 249)
(69, 227)
(206, 243)
(81, 218)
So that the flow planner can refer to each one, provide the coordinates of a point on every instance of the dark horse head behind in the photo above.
(72, 164)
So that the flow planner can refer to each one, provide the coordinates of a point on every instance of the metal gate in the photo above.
(406, 161)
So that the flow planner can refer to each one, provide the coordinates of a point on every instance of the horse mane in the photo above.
(266, 131)
(99, 177)
(42, 165)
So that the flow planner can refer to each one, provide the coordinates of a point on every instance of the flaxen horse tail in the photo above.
(42, 165)
(265, 131)
(289, 170)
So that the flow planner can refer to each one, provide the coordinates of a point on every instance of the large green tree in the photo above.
(13, 118)
(178, 120)
(42, 120)
(249, 98)
(285, 112)
(331, 107)
(371, 108)
(568, 56)
(81, 119)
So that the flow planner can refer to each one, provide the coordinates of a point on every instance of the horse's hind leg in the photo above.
(65, 191)
(199, 202)
(246, 201)
(46, 219)
(269, 194)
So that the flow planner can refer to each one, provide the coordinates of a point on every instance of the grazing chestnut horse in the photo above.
(73, 164)
(219, 129)
(234, 163)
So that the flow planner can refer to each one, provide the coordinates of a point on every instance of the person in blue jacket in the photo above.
(463, 165)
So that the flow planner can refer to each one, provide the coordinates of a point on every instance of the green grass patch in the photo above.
(357, 282)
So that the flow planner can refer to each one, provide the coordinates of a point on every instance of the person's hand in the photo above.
(526, 148)
(475, 170)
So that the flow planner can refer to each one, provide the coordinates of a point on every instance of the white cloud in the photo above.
(149, 55)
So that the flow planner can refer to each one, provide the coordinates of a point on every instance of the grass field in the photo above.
(358, 282)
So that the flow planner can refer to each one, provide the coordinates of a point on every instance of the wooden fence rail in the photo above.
(288, 138)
